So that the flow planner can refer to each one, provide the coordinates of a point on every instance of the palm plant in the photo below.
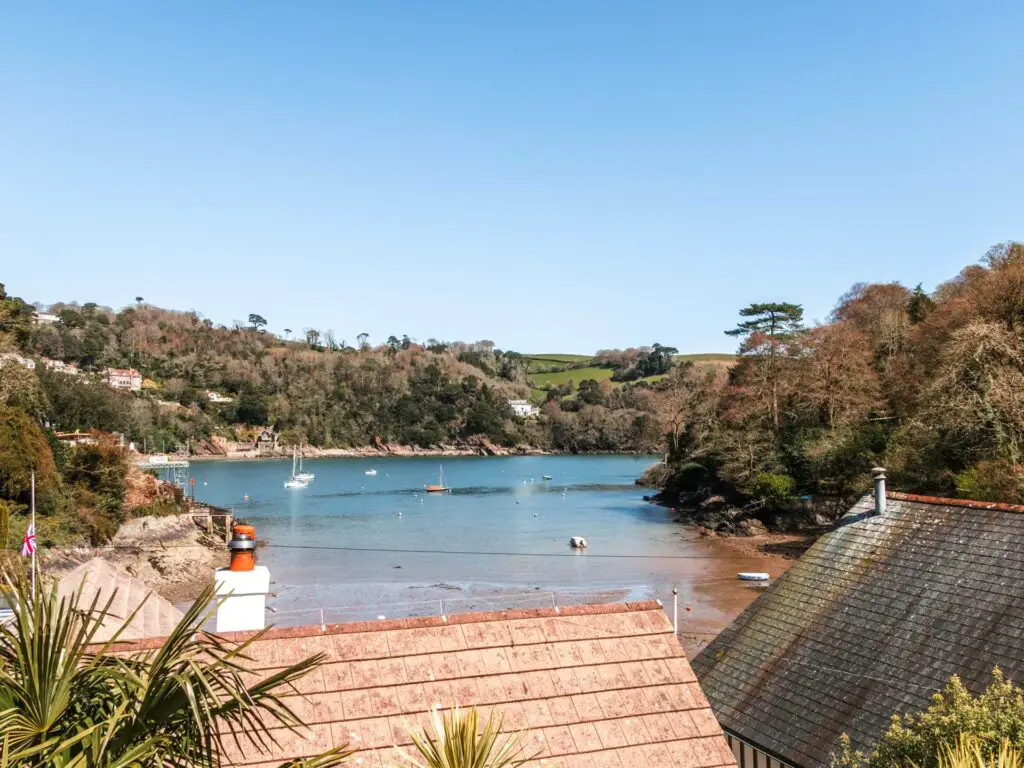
(458, 742)
(967, 752)
(68, 702)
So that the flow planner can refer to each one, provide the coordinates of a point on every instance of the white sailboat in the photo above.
(300, 475)
(295, 481)
(370, 472)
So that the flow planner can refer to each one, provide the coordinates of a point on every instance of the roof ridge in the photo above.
(414, 622)
(948, 502)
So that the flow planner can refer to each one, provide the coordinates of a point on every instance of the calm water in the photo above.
(496, 505)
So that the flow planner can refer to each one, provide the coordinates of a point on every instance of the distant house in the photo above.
(124, 378)
(266, 440)
(872, 620)
(69, 369)
(13, 358)
(217, 397)
(523, 408)
(45, 318)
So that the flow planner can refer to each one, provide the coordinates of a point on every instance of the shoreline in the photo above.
(401, 452)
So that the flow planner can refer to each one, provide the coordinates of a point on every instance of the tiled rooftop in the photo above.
(872, 620)
(595, 686)
(97, 576)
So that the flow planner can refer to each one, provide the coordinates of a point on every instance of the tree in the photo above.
(24, 449)
(15, 320)
(919, 739)
(139, 300)
(393, 344)
(765, 336)
(313, 338)
(258, 322)
(362, 339)
(182, 704)
(919, 305)
(252, 407)
(287, 332)
(972, 410)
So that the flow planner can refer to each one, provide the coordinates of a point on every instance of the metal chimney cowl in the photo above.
(241, 588)
(878, 473)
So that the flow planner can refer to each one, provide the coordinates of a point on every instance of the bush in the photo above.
(774, 488)
(988, 720)
(991, 481)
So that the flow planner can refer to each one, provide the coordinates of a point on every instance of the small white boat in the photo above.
(752, 576)
(545, 477)
(300, 475)
(295, 481)
(370, 472)
(577, 542)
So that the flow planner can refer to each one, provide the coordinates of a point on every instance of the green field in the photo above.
(558, 378)
(561, 358)
(542, 376)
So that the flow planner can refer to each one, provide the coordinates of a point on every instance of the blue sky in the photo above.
(554, 176)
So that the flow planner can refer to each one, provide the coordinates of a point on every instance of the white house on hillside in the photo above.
(8, 358)
(124, 378)
(523, 408)
(45, 318)
(217, 397)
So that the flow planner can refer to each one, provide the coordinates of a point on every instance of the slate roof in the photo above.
(157, 618)
(605, 686)
(872, 620)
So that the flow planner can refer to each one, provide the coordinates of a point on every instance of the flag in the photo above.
(28, 547)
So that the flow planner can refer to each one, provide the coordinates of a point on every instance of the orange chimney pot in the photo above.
(242, 547)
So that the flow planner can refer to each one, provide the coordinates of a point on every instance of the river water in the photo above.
(360, 546)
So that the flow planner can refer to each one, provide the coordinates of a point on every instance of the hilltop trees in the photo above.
(928, 384)
(258, 322)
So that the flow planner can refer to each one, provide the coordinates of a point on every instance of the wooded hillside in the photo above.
(929, 385)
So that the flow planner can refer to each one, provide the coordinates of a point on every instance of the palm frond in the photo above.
(457, 741)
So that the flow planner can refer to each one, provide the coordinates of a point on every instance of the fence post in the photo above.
(323, 624)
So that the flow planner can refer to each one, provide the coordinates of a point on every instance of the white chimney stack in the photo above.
(879, 475)
(242, 587)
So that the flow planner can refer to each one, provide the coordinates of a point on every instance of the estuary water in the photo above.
(360, 546)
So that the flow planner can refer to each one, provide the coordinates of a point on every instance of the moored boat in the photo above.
(440, 487)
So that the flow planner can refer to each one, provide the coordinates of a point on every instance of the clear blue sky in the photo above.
(554, 176)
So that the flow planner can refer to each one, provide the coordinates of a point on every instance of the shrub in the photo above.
(990, 481)
(988, 720)
(774, 488)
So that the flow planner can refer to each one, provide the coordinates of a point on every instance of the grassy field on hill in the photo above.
(546, 369)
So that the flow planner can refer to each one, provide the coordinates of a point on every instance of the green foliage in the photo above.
(65, 702)
(457, 741)
(24, 449)
(992, 480)
(774, 488)
(96, 473)
(15, 321)
(925, 739)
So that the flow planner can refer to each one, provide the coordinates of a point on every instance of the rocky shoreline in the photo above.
(220, 451)
(173, 555)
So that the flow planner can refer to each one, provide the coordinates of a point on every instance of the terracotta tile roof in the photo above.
(872, 620)
(156, 619)
(604, 685)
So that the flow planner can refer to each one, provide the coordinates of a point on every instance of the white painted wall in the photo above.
(244, 603)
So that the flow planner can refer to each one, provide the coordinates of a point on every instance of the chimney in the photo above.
(878, 473)
(242, 587)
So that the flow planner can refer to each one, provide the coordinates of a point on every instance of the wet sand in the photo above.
(716, 603)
